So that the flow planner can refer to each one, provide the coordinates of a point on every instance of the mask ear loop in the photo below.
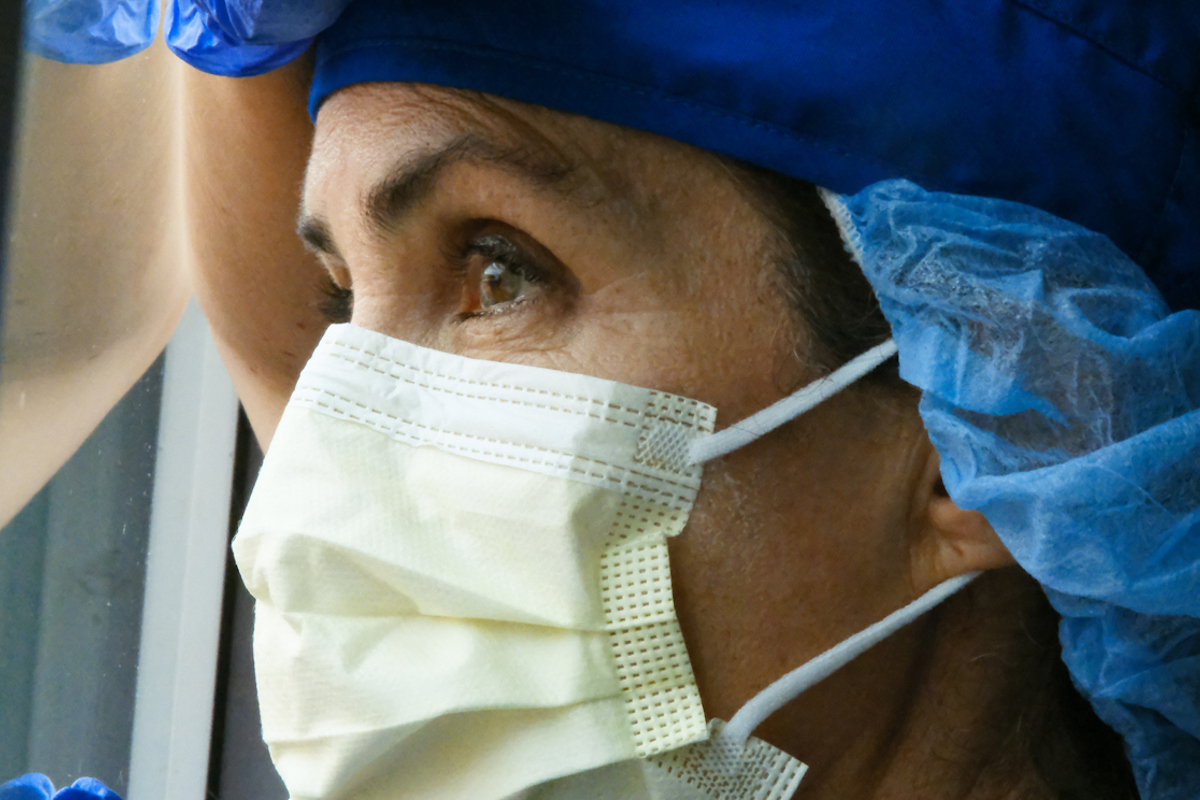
(791, 685)
(733, 737)
(706, 448)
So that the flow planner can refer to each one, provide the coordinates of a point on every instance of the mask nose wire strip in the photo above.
(787, 688)
(706, 448)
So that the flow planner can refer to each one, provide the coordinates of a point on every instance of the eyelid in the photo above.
(501, 249)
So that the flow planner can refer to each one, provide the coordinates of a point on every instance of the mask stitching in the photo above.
(695, 415)
(432, 387)
(434, 429)
(632, 514)
(672, 462)
(653, 669)
(624, 483)
(760, 771)
(389, 360)
(644, 575)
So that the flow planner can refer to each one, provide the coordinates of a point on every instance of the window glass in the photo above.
(72, 567)
(115, 458)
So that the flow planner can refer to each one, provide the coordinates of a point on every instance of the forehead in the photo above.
(359, 112)
(367, 130)
(363, 130)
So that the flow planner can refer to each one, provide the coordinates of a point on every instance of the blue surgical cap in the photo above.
(1063, 397)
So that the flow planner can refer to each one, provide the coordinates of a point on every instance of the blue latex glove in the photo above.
(224, 37)
(1064, 400)
(243, 37)
(38, 787)
(28, 787)
(270, 21)
(89, 31)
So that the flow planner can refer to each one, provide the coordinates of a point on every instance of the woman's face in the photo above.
(508, 232)
(496, 230)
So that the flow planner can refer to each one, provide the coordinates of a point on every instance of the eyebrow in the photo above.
(411, 181)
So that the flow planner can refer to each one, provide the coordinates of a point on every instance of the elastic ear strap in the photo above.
(706, 448)
(787, 688)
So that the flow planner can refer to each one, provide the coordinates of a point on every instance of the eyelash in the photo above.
(337, 302)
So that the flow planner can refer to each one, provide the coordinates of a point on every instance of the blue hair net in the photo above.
(1063, 397)
(89, 31)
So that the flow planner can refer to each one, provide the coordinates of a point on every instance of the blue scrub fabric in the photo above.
(1063, 397)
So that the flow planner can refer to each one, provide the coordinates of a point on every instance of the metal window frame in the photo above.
(10, 82)
(185, 570)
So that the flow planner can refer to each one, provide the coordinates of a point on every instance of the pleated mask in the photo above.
(463, 589)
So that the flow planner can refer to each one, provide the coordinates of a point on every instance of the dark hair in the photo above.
(1076, 755)
(830, 299)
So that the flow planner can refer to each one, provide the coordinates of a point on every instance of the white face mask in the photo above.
(463, 587)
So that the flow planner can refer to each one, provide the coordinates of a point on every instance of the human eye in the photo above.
(486, 271)
(498, 275)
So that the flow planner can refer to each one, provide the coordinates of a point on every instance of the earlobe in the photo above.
(949, 541)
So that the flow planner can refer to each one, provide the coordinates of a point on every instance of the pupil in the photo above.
(500, 285)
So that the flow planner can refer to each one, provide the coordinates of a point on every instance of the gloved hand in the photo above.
(224, 37)
(89, 31)
(241, 37)
(38, 787)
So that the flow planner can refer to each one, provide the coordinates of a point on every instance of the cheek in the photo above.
(711, 338)
(642, 345)
(792, 546)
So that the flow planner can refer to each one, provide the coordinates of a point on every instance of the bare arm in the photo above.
(95, 260)
(246, 142)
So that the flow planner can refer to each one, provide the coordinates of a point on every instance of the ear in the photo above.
(948, 541)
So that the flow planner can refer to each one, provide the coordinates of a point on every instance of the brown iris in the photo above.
(499, 284)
